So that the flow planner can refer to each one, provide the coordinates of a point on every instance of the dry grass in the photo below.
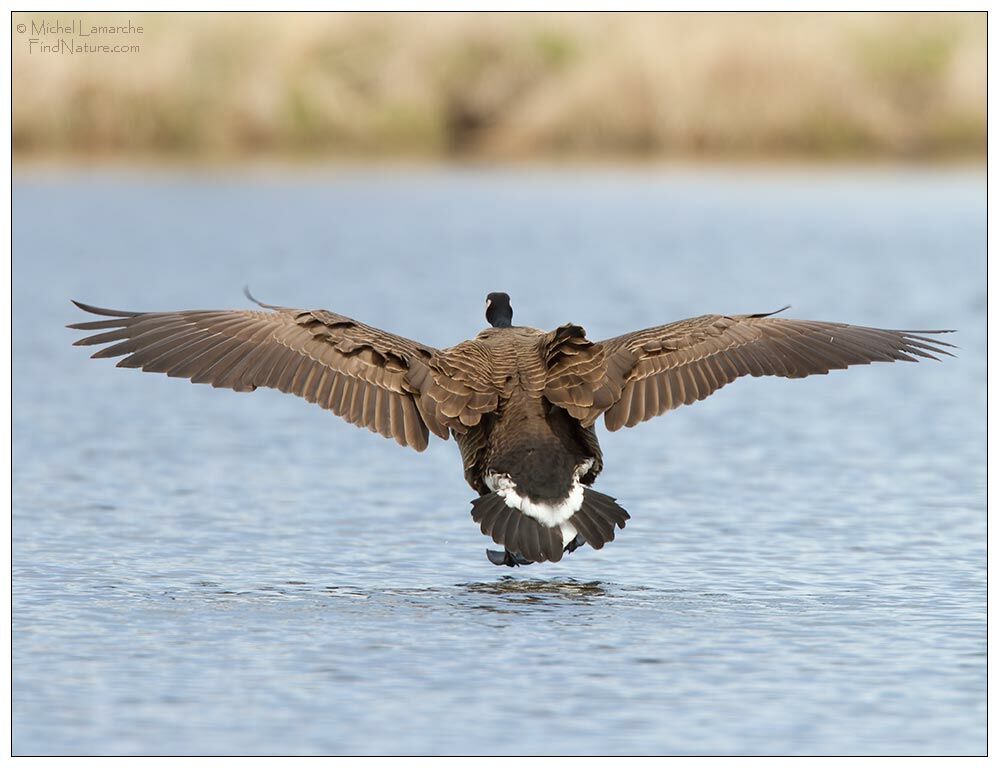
(513, 85)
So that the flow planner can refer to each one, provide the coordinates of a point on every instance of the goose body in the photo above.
(531, 461)
(520, 403)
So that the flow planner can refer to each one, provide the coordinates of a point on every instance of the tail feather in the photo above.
(603, 516)
(502, 522)
(597, 516)
(485, 511)
(584, 524)
(555, 546)
(513, 529)
(516, 531)
(530, 542)
(602, 530)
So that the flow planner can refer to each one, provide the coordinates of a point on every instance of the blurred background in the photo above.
(201, 572)
(529, 86)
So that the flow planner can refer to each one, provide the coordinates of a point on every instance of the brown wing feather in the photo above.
(686, 361)
(362, 374)
(577, 375)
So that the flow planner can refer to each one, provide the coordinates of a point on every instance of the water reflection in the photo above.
(539, 588)
(504, 595)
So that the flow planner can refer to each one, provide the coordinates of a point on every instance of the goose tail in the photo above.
(528, 539)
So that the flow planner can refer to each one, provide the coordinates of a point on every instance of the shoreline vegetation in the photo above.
(510, 87)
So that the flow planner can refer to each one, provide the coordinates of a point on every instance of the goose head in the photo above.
(499, 313)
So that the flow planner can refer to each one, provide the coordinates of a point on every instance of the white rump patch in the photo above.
(551, 514)
(568, 533)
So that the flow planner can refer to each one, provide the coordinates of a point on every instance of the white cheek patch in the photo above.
(551, 514)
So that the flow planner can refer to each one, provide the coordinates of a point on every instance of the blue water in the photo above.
(199, 571)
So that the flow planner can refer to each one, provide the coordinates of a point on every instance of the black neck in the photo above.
(499, 313)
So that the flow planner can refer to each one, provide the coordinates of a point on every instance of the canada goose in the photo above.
(521, 403)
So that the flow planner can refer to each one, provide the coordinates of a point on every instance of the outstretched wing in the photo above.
(360, 373)
(677, 364)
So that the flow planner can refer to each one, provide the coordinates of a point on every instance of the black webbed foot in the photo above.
(576, 543)
(507, 558)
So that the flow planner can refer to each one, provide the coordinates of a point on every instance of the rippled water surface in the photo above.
(199, 571)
